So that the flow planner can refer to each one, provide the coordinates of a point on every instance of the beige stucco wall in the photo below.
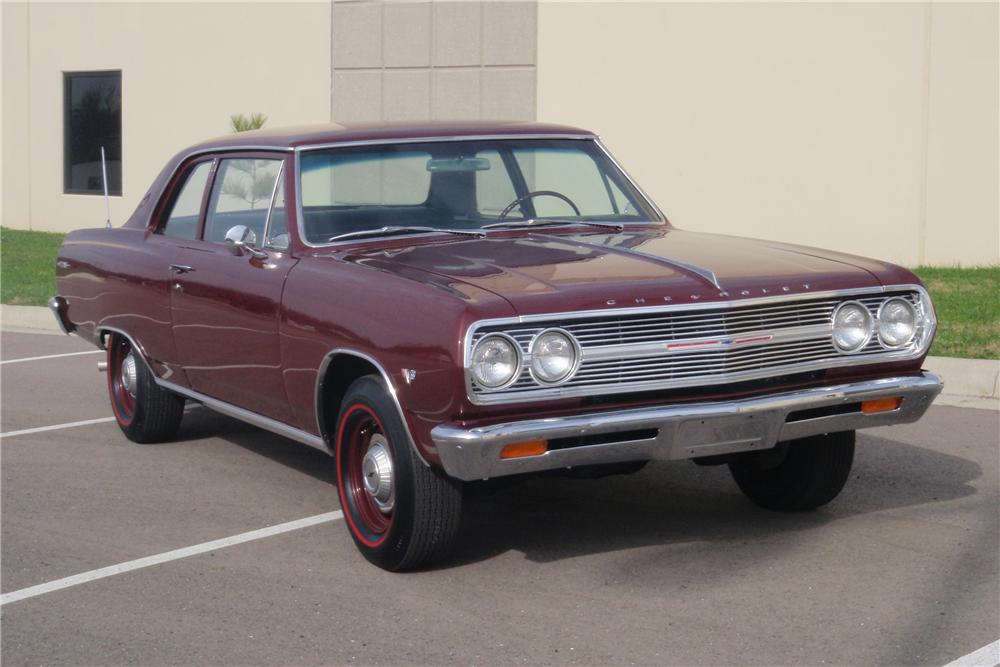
(439, 60)
(185, 69)
(870, 128)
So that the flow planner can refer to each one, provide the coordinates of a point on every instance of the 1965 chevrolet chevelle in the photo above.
(440, 304)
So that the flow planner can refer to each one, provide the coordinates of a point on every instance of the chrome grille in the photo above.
(629, 352)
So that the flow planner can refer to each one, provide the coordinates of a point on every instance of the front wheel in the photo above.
(797, 475)
(402, 514)
(145, 412)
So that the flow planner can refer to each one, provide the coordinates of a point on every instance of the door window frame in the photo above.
(173, 189)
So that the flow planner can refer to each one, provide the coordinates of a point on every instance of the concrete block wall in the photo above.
(433, 60)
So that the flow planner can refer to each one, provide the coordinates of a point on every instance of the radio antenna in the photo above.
(107, 201)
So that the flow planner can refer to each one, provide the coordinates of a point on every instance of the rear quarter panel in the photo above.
(118, 278)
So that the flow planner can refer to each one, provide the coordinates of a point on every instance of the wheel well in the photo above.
(341, 371)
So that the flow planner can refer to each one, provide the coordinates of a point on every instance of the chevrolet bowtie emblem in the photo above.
(718, 342)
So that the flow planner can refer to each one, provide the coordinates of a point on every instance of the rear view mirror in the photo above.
(458, 164)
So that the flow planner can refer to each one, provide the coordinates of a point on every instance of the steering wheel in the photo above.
(537, 193)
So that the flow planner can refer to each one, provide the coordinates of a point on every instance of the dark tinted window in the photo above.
(183, 219)
(92, 119)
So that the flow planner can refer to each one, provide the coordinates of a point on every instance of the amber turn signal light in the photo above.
(516, 450)
(881, 405)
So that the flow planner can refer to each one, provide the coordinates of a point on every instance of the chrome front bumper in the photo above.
(680, 431)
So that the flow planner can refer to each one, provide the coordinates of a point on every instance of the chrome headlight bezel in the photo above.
(536, 375)
(915, 326)
(869, 321)
(517, 364)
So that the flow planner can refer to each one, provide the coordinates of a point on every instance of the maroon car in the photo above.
(435, 305)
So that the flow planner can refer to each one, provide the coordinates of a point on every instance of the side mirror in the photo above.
(240, 239)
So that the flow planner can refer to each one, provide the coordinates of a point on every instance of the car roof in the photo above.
(313, 135)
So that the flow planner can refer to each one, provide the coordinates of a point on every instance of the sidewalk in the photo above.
(968, 383)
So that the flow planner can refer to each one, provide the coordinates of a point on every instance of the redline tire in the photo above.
(420, 526)
(812, 472)
(144, 411)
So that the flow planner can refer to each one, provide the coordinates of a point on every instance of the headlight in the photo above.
(553, 356)
(897, 322)
(852, 326)
(496, 361)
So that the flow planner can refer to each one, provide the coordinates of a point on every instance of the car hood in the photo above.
(539, 272)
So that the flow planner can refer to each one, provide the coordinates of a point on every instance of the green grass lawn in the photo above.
(968, 309)
(27, 266)
(967, 300)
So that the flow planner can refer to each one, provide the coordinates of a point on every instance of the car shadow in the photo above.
(200, 423)
(670, 503)
(550, 518)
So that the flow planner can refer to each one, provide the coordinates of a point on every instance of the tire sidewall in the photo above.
(391, 549)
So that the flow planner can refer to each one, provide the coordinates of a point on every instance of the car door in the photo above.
(226, 297)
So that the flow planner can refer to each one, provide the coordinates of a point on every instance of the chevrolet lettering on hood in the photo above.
(436, 305)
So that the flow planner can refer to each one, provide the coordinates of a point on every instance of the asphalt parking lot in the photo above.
(669, 566)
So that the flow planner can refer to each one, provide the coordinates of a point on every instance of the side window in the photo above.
(241, 196)
(182, 222)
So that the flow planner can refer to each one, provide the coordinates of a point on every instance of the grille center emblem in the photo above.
(717, 343)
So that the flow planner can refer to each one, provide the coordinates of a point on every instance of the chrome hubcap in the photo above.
(129, 373)
(376, 468)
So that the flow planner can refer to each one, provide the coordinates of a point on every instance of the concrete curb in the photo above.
(972, 379)
(28, 319)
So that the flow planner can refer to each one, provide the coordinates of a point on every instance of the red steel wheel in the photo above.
(144, 411)
(365, 475)
(402, 514)
(122, 379)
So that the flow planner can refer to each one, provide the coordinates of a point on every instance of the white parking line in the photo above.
(56, 427)
(987, 656)
(128, 566)
(50, 356)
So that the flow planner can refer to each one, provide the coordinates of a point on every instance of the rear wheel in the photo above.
(402, 514)
(144, 411)
(797, 475)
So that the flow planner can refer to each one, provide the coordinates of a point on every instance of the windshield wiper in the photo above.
(535, 222)
(398, 229)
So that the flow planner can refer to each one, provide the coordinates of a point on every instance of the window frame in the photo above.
(173, 191)
(67, 112)
(281, 158)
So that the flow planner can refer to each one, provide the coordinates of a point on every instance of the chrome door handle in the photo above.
(181, 268)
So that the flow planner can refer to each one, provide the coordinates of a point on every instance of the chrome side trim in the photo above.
(679, 431)
(252, 418)
(56, 305)
(388, 383)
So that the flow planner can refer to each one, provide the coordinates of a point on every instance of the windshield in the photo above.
(462, 185)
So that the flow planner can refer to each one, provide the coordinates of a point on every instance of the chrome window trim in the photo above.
(632, 181)
(270, 207)
(541, 392)
(300, 218)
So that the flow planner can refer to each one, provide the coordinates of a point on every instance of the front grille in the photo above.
(664, 348)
